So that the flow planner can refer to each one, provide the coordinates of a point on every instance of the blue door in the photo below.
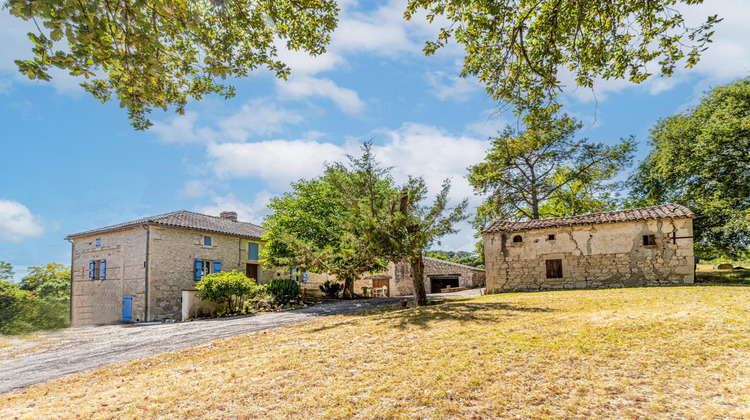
(127, 307)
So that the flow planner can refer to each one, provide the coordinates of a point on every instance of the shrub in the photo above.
(331, 288)
(283, 290)
(21, 312)
(231, 288)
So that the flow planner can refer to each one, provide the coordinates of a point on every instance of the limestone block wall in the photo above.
(467, 276)
(172, 254)
(593, 256)
(96, 302)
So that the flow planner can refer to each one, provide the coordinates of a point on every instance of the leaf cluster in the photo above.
(701, 158)
(157, 54)
(524, 50)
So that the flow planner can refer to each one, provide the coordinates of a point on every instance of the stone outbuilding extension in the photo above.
(638, 247)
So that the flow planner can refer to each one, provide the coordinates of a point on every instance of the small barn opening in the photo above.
(649, 240)
(437, 283)
(517, 239)
(554, 269)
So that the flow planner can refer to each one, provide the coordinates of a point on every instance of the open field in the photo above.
(626, 353)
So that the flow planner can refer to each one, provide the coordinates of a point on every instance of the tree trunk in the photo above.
(348, 288)
(417, 277)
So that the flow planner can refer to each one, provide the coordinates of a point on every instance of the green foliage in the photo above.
(22, 312)
(230, 288)
(6, 271)
(522, 49)
(700, 159)
(163, 53)
(51, 280)
(472, 259)
(331, 288)
(545, 172)
(283, 290)
(317, 227)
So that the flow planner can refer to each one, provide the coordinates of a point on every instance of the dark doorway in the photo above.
(252, 272)
(437, 283)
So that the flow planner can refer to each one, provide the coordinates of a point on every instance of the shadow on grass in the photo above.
(463, 310)
(725, 277)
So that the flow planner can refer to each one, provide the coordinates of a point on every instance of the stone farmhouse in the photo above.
(146, 269)
(638, 247)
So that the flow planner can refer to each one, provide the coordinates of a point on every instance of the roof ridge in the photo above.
(220, 218)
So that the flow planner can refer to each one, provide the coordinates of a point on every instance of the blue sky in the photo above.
(69, 163)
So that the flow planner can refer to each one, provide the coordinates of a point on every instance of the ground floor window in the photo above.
(554, 269)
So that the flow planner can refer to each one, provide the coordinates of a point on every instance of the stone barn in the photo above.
(638, 247)
(438, 275)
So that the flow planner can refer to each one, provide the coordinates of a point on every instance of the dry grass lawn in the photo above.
(676, 352)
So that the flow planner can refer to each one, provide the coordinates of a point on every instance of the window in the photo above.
(302, 276)
(98, 242)
(551, 238)
(98, 270)
(517, 239)
(252, 251)
(204, 268)
(207, 240)
(554, 269)
(649, 240)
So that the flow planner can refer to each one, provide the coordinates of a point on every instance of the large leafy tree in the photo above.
(318, 227)
(523, 50)
(161, 53)
(48, 280)
(701, 158)
(546, 172)
(412, 225)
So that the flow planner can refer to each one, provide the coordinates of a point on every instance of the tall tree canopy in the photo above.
(701, 158)
(156, 54)
(547, 173)
(318, 227)
(523, 49)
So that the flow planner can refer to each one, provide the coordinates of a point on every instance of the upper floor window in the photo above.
(98, 242)
(517, 239)
(649, 240)
(205, 267)
(207, 240)
(551, 238)
(98, 270)
(252, 251)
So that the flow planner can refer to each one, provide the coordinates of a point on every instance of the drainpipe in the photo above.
(72, 272)
(145, 296)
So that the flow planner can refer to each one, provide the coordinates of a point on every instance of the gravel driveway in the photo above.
(78, 349)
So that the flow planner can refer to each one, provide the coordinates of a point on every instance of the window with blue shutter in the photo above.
(292, 276)
(207, 240)
(304, 277)
(103, 270)
(98, 242)
(92, 266)
(217, 267)
(252, 251)
(198, 269)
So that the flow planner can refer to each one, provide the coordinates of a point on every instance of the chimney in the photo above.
(230, 215)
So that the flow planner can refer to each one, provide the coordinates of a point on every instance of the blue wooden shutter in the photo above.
(207, 240)
(304, 277)
(292, 276)
(98, 242)
(217, 266)
(252, 251)
(103, 270)
(198, 269)
(92, 264)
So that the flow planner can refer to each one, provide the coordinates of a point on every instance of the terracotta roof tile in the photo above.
(186, 220)
(665, 211)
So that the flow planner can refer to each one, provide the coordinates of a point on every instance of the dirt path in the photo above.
(78, 349)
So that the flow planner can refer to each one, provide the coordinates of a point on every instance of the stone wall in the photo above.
(592, 256)
(97, 301)
(401, 284)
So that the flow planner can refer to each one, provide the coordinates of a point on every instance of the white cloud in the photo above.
(303, 87)
(452, 88)
(277, 162)
(252, 212)
(304, 64)
(17, 223)
(256, 118)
